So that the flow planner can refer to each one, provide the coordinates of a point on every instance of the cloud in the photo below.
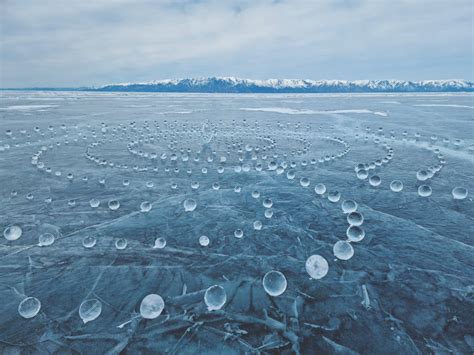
(73, 43)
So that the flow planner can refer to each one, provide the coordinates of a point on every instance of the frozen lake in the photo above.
(108, 198)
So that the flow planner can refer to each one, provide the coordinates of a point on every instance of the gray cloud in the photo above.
(73, 43)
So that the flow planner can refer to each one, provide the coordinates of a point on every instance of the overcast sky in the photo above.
(81, 42)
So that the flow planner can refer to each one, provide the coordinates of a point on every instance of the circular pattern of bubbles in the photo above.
(355, 218)
(317, 267)
(90, 309)
(348, 206)
(459, 193)
(189, 205)
(424, 190)
(152, 306)
(29, 307)
(396, 186)
(274, 283)
(355, 233)
(12, 233)
(215, 298)
(343, 250)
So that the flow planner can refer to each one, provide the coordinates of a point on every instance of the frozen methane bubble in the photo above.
(160, 243)
(316, 266)
(355, 233)
(304, 182)
(267, 203)
(94, 203)
(145, 206)
(334, 196)
(189, 205)
(320, 189)
(12, 233)
(255, 194)
(424, 191)
(268, 213)
(215, 298)
(89, 242)
(45, 239)
(355, 218)
(29, 307)
(238, 233)
(348, 206)
(274, 283)
(257, 225)
(121, 243)
(152, 306)
(362, 174)
(90, 310)
(204, 240)
(459, 193)
(343, 250)
(396, 186)
(114, 205)
(422, 175)
(375, 180)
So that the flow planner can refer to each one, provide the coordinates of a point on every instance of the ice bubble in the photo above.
(375, 180)
(290, 175)
(459, 193)
(215, 298)
(334, 196)
(89, 242)
(274, 283)
(348, 206)
(355, 233)
(396, 186)
(195, 185)
(126, 182)
(257, 225)
(424, 191)
(316, 266)
(237, 188)
(267, 203)
(29, 307)
(114, 205)
(12, 233)
(216, 186)
(189, 205)
(268, 213)
(238, 233)
(343, 250)
(160, 243)
(94, 203)
(255, 194)
(145, 206)
(152, 306)
(304, 182)
(204, 241)
(45, 239)
(90, 310)
(121, 243)
(362, 174)
(355, 218)
(320, 189)
(422, 175)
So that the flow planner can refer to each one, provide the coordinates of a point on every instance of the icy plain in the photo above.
(119, 196)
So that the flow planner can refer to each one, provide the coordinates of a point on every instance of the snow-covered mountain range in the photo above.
(237, 85)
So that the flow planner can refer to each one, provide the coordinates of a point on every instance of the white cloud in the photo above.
(71, 43)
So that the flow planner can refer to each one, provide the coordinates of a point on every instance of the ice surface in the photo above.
(269, 188)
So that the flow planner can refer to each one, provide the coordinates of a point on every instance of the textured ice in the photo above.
(108, 174)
